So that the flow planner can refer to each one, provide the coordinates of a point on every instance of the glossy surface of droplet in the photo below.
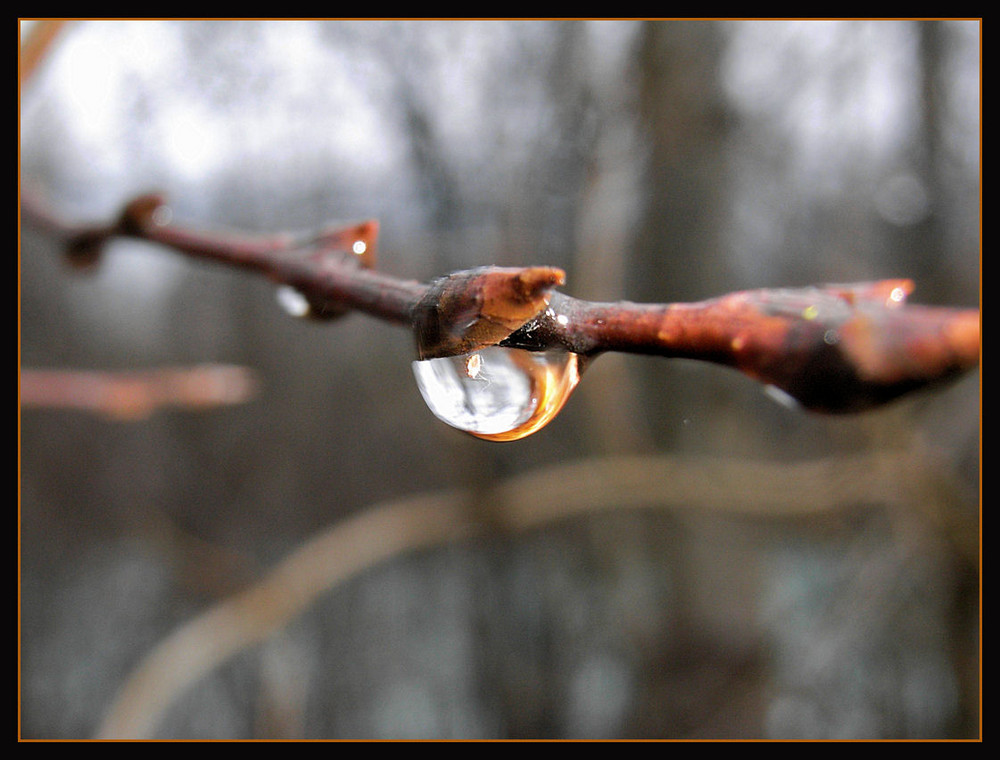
(292, 301)
(500, 394)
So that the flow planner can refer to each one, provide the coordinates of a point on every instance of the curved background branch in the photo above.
(736, 488)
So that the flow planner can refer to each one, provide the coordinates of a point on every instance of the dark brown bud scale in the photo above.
(480, 307)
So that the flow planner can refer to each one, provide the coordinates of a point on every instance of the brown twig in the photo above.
(835, 348)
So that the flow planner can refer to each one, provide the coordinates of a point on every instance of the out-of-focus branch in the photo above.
(36, 45)
(736, 488)
(136, 395)
(835, 348)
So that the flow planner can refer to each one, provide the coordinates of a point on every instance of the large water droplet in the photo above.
(500, 394)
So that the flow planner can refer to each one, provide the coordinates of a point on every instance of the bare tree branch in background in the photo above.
(137, 395)
(744, 489)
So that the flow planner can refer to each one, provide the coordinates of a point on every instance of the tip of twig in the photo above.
(536, 282)
(85, 245)
(139, 214)
(360, 240)
(964, 334)
(888, 292)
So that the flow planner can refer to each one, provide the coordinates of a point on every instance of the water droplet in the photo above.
(784, 398)
(292, 301)
(500, 394)
(897, 296)
(162, 215)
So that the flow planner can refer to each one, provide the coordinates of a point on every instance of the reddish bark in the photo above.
(836, 348)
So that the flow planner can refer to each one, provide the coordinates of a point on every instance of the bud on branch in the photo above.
(480, 307)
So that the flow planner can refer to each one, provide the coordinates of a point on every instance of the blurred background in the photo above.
(653, 161)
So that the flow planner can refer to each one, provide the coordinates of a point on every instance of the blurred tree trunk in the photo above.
(680, 108)
(676, 254)
(934, 240)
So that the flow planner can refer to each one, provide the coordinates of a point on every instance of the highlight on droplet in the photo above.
(496, 393)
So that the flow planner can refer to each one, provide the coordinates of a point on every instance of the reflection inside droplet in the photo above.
(500, 394)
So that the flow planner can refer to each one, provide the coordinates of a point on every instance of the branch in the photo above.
(833, 348)
(130, 396)
(36, 46)
(736, 488)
